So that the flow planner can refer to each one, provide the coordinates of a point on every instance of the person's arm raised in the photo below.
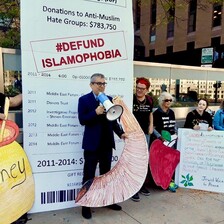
(15, 101)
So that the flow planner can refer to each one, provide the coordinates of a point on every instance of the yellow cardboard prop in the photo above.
(16, 180)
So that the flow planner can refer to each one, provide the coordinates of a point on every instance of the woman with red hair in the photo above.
(142, 110)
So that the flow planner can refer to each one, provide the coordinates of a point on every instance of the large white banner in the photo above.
(63, 44)
(202, 160)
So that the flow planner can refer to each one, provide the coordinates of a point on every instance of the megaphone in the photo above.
(113, 112)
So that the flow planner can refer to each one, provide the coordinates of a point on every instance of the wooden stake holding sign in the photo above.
(16, 179)
(6, 112)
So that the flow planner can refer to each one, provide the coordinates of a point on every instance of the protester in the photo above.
(17, 83)
(163, 116)
(218, 121)
(199, 118)
(142, 110)
(164, 121)
(98, 138)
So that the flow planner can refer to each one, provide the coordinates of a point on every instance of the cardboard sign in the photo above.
(202, 160)
(16, 183)
(69, 44)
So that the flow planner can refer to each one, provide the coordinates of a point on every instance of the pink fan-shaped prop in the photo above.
(127, 176)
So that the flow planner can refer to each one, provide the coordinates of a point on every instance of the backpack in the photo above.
(150, 99)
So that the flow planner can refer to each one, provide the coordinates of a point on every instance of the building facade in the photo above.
(178, 33)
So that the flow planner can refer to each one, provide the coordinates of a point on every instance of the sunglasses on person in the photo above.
(100, 83)
(168, 100)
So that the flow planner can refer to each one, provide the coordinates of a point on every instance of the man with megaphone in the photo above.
(98, 139)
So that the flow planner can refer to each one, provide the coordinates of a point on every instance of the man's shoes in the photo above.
(144, 191)
(135, 197)
(114, 207)
(86, 212)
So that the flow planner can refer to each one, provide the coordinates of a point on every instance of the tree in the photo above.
(10, 18)
(10, 23)
(169, 6)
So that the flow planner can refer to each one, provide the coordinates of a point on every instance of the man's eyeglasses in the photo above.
(100, 83)
(140, 89)
(168, 100)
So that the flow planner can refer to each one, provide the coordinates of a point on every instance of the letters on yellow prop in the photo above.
(16, 183)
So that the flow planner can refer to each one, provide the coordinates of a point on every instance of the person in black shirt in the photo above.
(164, 117)
(199, 119)
(142, 110)
(164, 120)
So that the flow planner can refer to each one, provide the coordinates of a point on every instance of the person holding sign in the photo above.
(219, 118)
(98, 138)
(199, 119)
(142, 110)
(164, 123)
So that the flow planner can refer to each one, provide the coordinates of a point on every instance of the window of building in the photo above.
(169, 50)
(138, 15)
(5, 24)
(152, 53)
(217, 14)
(152, 34)
(170, 29)
(171, 16)
(192, 16)
(153, 22)
(218, 59)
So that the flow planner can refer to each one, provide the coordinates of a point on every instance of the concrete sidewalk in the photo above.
(161, 207)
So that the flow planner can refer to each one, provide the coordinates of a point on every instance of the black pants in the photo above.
(102, 156)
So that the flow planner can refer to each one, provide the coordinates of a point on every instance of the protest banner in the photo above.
(202, 160)
(71, 41)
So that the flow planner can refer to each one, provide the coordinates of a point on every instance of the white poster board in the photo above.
(63, 44)
(201, 160)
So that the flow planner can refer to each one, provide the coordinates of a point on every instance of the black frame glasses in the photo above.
(141, 89)
(100, 83)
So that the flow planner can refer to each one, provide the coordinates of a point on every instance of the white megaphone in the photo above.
(113, 112)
